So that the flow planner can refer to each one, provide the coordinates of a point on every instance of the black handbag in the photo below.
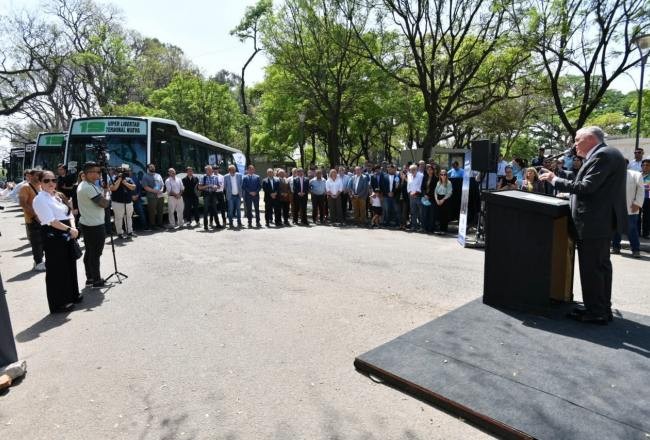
(76, 249)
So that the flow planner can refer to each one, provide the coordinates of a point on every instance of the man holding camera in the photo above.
(122, 188)
(92, 203)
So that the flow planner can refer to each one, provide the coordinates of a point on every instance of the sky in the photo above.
(201, 29)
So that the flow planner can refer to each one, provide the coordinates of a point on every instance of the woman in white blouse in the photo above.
(443, 194)
(59, 231)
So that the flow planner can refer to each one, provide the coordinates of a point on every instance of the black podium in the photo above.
(529, 253)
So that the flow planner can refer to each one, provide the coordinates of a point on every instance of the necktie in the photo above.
(301, 185)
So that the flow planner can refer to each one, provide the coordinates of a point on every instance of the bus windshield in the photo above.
(129, 150)
(47, 158)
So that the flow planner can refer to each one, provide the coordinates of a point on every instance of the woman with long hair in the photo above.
(59, 232)
(531, 182)
(443, 194)
(429, 184)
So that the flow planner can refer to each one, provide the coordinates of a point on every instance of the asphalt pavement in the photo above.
(246, 334)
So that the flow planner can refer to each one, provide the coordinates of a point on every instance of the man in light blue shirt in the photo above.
(456, 171)
(318, 197)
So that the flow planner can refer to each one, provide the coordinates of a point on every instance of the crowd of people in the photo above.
(58, 209)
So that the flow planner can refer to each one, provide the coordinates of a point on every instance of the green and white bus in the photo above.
(138, 141)
(16, 164)
(49, 152)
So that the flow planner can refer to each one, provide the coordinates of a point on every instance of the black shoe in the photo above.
(89, 283)
(99, 283)
(616, 251)
(63, 309)
(588, 318)
(258, 225)
(78, 299)
(581, 310)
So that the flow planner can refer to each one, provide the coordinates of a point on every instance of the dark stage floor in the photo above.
(519, 375)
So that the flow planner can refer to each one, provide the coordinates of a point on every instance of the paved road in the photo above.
(241, 335)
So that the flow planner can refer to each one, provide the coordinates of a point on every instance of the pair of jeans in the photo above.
(94, 237)
(234, 208)
(632, 234)
(390, 211)
(415, 206)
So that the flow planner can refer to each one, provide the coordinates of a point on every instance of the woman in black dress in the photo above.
(59, 232)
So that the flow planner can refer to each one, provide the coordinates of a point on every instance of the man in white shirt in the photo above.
(333, 189)
(635, 165)
(233, 186)
(175, 204)
(634, 198)
(414, 188)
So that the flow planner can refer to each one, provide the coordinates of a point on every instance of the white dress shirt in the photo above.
(414, 183)
(234, 189)
(174, 185)
(334, 187)
(634, 165)
(50, 208)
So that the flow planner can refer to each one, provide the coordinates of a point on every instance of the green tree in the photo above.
(200, 105)
(312, 40)
(592, 41)
(459, 55)
(249, 30)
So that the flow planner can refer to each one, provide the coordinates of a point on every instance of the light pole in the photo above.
(643, 43)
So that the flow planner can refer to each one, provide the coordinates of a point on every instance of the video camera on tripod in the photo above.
(98, 147)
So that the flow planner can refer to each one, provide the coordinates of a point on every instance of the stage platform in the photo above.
(517, 375)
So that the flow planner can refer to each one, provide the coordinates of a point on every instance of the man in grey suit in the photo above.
(233, 185)
(598, 209)
(358, 188)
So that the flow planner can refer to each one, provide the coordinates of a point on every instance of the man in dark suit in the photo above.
(300, 194)
(271, 188)
(359, 191)
(251, 186)
(598, 209)
(390, 192)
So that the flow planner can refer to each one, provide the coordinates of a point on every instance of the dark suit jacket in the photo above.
(296, 185)
(432, 187)
(384, 184)
(363, 189)
(598, 205)
(270, 189)
(251, 183)
(377, 182)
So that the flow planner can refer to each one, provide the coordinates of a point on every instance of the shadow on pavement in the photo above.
(92, 298)
(23, 276)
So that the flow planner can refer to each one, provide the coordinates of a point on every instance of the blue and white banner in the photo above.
(464, 201)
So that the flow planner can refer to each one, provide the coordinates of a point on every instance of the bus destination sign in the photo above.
(50, 140)
(109, 126)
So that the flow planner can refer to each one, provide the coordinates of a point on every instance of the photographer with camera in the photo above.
(122, 189)
(92, 203)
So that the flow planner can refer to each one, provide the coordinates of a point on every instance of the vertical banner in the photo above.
(464, 201)
(240, 161)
